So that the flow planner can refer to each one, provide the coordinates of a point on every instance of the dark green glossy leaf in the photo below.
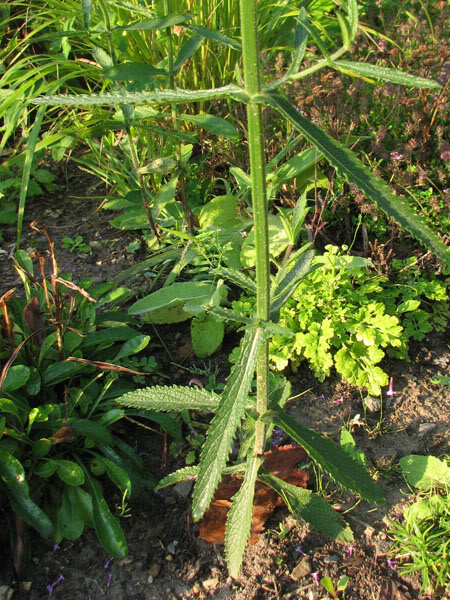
(70, 472)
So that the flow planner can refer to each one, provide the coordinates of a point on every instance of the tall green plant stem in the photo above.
(252, 83)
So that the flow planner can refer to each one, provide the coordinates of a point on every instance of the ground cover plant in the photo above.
(213, 306)
(63, 368)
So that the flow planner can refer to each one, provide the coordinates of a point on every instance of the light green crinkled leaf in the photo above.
(306, 505)
(174, 398)
(342, 467)
(425, 472)
(225, 422)
(218, 211)
(278, 242)
(385, 73)
(376, 189)
(429, 508)
(160, 97)
(239, 519)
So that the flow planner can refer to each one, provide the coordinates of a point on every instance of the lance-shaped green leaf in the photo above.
(239, 519)
(375, 189)
(12, 474)
(214, 35)
(132, 72)
(352, 10)
(107, 527)
(306, 505)
(86, 7)
(301, 267)
(154, 24)
(230, 315)
(118, 98)
(187, 50)
(343, 468)
(385, 73)
(213, 124)
(237, 277)
(173, 398)
(225, 422)
(184, 474)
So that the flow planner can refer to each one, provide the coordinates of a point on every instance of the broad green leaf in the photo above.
(13, 476)
(155, 24)
(376, 189)
(133, 346)
(60, 371)
(278, 242)
(343, 468)
(162, 303)
(107, 337)
(158, 165)
(213, 124)
(41, 448)
(425, 472)
(216, 36)
(132, 72)
(206, 335)
(45, 469)
(239, 518)
(117, 475)
(428, 508)
(92, 430)
(218, 211)
(70, 523)
(392, 75)
(107, 527)
(70, 472)
(82, 503)
(158, 97)
(16, 378)
(187, 50)
(306, 505)
(174, 398)
(8, 406)
(184, 474)
(223, 427)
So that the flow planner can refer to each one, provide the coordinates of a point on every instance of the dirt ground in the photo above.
(166, 557)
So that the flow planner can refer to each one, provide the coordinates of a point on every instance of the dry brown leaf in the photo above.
(280, 461)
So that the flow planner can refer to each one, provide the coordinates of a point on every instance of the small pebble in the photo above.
(331, 558)
(210, 584)
(154, 570)
(302, 569)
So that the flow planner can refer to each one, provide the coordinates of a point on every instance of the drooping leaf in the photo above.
(213, 124)
(343, 468)
(155, 24)
(310, 507)
(13, 476)
(217, 36)
(187, 50)
(376, 189)
(107, 527)
(206, 335)
(225, 422)
(239, 519)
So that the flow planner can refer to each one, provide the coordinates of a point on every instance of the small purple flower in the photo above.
(109, 579)
(56, 547)
(321, 397)
(340, 400)
(315, 577)
(390, 391)
(107, 563)
(397, 156)
(350, 551)
(392, 563)
(51, 586)
(300, 551)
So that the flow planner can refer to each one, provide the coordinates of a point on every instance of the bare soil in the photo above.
(166, 557)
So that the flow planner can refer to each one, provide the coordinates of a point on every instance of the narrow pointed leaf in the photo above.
(174, 398)
(184, 474)
(132, 72)
(223, 427)
(300, 39)
(159, 97)
(306, 505)
(343, 468)
(386, 74)
(216, 36)
(237, 277)
(288, 284)
(239, 519)
(375, 189)
(187, 50)
(86, 6)
(352, 9)
(155, 24)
